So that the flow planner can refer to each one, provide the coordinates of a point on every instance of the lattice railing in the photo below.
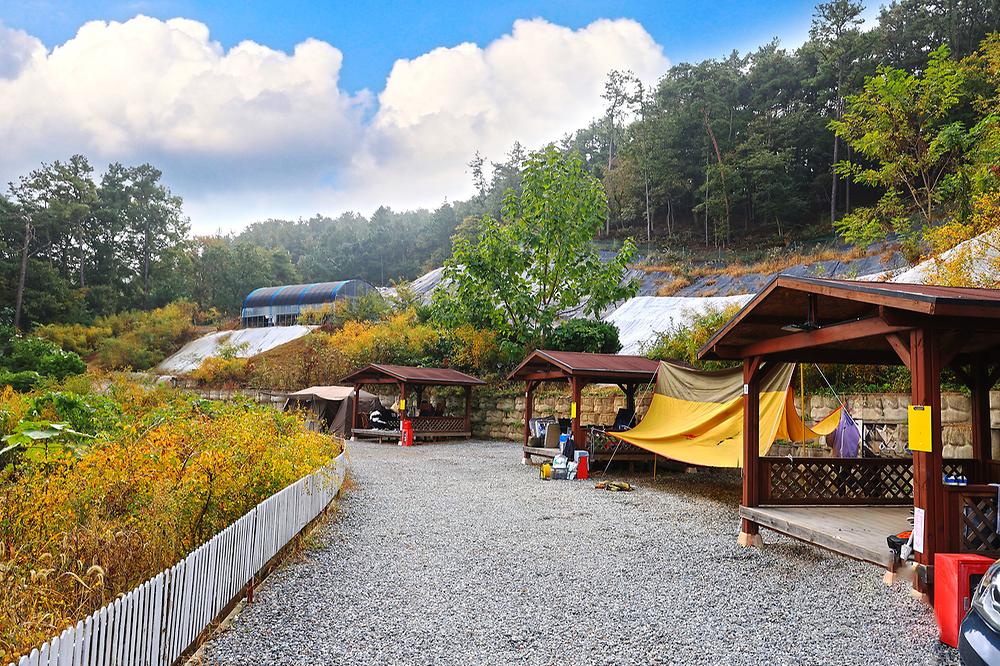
(438, 424)
(956, 467)
(974, 510)
(834, 481)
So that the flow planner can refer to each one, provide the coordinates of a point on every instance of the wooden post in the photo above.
(403, 408)
(529, 409)
(982, 443)
(749, 530)
(928, 491)
(468, 409)
(576, 391)
(630, 399)
(354, 409)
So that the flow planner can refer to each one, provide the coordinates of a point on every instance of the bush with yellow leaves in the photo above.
(78, 530)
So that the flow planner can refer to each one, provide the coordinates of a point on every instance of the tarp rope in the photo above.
(832, 390)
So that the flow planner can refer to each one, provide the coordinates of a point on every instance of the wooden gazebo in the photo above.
(579, 369)
(925, 328)
(412, 381)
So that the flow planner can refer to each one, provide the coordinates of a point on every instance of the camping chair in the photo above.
(624, 420)
(537, 430)
(552, 433)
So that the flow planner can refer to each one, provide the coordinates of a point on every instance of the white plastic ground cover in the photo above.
(244, 342)
(156, 622)
(641, 319)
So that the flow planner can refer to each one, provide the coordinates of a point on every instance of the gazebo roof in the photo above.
(608, 368)
(378, 373)
(846, 321)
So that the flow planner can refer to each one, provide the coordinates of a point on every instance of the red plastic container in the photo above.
(406, 433)
(582, 467)
(955, 579)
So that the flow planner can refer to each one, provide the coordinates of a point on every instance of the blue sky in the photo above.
(372, 35)
(287, 109)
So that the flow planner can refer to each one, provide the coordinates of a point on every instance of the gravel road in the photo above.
(458, 554)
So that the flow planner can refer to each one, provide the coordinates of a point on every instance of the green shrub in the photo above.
(25, 360)
(22, 381)
(89, 413)
(585, 335)
(137, 340)
(682, 344)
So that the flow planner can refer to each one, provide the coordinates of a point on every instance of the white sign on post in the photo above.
(918, 529)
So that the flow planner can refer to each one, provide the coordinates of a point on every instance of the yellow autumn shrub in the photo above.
(77, 532)
(968, 254)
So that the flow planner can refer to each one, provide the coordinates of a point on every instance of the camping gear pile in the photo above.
(568, 464)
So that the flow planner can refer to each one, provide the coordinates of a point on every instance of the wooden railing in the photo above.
(972, 510)
(438, 424)
(836, 481)
(843, 481)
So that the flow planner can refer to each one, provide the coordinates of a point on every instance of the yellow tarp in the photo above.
(697, 417)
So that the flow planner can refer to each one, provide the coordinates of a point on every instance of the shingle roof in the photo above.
(412, 375)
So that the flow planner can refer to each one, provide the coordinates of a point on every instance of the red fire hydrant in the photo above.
(406, 433)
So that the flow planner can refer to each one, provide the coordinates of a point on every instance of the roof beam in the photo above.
(939, 322)
(854, 330)
(901, 347)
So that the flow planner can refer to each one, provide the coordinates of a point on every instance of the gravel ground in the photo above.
(456, 553)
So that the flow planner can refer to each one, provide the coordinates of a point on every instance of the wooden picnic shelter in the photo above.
(925, 328)
(579, 369)
(411, 381)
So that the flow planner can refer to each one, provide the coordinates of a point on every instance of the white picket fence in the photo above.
(156, 622)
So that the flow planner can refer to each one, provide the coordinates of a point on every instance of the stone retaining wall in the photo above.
(889, 410)
(501, 416)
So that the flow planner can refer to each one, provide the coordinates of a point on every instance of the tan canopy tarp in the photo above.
(697, 416)
(332, 405)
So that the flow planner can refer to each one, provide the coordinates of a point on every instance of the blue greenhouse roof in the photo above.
(304, 294)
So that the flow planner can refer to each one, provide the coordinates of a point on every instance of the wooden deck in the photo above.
(858, 532)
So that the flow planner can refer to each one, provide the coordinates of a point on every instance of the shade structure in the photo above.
(696, 417)
(580, 369)
(413, 381)
(927, 329)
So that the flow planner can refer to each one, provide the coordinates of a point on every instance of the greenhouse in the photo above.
(281, 306)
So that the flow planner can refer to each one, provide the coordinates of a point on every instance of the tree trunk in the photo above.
(145, 267)
(847, 185)
(19, 300)
(836, 152)
(649, 219)
(706, 199)
(611, 152)
(833, 181)
(722, 171)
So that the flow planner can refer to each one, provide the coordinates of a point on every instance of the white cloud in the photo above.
(254, 132)
(533, 85)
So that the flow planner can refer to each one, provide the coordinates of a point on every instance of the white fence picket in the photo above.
(153, 624)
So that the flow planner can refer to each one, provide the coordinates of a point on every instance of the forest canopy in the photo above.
(745, 150)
